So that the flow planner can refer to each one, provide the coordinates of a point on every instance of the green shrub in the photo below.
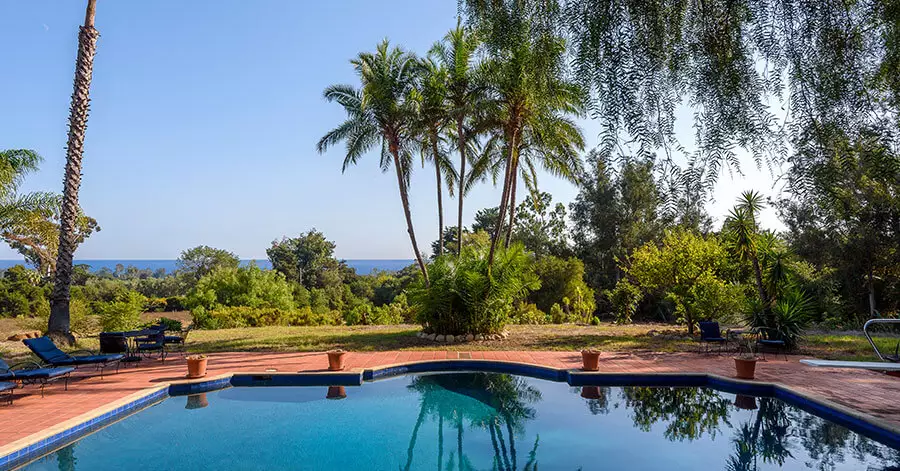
(173, 325)
(244, 286)
(563, 279)
(175, 303)
(528, 313)
(122, 314)
(463, 298)
(228, 317)
(625, 298)
(155, 305)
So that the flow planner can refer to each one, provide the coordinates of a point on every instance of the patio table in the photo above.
(131, 355)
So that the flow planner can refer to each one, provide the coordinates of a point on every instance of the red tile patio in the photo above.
(865, 391)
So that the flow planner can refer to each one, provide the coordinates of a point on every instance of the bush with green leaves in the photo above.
(21, 293)
(465, 296)
(229, 317)
(244, 286)
(528, 313)
(121, 314)
(562, 282)
(687, 269)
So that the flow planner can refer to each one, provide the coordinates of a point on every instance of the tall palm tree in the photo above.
(553, 143)
(58, 325)
(742, 230)
(456, 53)
(531, 101)
(433, 120)
(382, 110)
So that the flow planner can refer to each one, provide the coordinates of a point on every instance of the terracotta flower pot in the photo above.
(745, 368)
(196, 365)
(336, 392)
(336, 360)
(196, 401)
(590, 392)
(745, 402)
(590, 360)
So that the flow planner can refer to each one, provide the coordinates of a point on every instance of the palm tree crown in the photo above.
(382, 111)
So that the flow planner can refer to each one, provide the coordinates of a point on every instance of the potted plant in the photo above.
(745, 365)
(196, 365)
(590, 359)
(336, 359)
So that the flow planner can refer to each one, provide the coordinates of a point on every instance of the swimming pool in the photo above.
(455, 421)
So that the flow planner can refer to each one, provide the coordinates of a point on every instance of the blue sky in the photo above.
(205, 116)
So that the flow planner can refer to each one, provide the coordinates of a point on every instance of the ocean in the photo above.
(362, 266)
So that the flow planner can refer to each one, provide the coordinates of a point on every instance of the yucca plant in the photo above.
(464, 297)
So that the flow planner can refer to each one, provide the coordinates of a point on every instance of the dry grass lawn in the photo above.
(567, 337)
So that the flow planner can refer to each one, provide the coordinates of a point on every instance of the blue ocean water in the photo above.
(471, 421)
(362, 266)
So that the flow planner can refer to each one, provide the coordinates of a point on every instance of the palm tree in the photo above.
(742, 229)
(529, 108)
(384, 110)
(58, 325)
(456, 53)
(15, 164)
(432, 123)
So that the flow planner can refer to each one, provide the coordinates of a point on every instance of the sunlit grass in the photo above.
(566, 337)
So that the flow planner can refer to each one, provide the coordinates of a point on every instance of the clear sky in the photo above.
(205, 116)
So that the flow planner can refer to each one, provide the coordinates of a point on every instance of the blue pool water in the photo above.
(462, 421)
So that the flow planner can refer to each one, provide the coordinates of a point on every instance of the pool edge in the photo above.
(32, 447)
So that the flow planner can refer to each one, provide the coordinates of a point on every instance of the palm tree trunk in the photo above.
(404, 199)
(58, 325)
(761, 288)
(462, 183)
(512, 203)
(440, 203)
(503, 197)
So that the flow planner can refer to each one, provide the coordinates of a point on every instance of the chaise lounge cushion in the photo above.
(48, 352)
(7, 386)
(38, 373)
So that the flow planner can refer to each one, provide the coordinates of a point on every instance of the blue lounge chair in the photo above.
(33, 373)
(50, 354)
(711, 334)
(8, 389)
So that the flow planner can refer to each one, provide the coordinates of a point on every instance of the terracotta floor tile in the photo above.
(866, 391)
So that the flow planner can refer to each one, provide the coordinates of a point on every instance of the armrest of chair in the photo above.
(83, 351)
(28, 365)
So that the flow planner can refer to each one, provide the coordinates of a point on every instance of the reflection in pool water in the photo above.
(464, 421)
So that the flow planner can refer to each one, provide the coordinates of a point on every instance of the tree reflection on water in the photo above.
(504, 407)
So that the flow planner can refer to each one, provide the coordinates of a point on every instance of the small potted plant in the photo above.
(196, 365)
(590, 359)
(336, 359)
(745, 365)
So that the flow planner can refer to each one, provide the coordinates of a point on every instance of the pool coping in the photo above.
(32, 447)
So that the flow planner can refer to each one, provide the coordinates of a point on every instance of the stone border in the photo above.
(32, 447)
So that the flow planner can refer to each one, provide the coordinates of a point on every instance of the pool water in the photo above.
(462, 421)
